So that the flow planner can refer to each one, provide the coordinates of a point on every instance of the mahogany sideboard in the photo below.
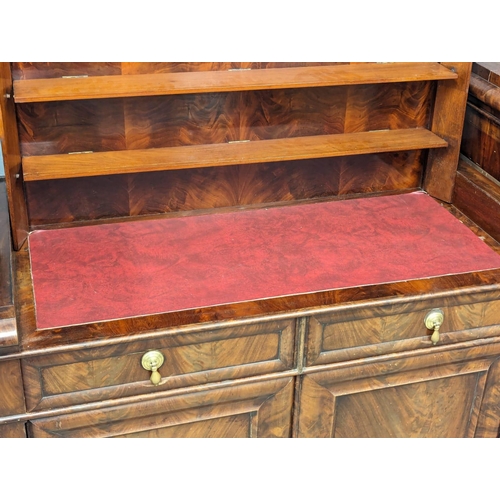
(246, 250)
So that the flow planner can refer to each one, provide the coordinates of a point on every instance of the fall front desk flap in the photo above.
(97, 273)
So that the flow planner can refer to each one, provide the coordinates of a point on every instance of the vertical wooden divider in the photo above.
(12, 159)
(447, 122)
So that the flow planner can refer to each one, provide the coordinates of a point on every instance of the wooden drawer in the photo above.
(191, 359)
(381, 327)
(251, 409)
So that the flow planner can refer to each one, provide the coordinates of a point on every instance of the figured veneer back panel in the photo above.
(165, 121)
(182, 120)
(90, 198)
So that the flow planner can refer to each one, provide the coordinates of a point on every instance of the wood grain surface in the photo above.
(478, 197)
(485, 91)
(12, 159)
(190, 359)
(172, 121)
(259, 409)
(25, 71)
(432, 395)
(210, 155)
(65, 201)
(481, 138)
(447, 122)
(133, 85)
(15, 430)
(166, 121)
(11, 388)
(364, 330)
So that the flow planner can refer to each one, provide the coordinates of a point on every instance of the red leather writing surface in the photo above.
(97, 273)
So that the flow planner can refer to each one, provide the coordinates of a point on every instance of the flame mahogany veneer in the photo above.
(104, 272)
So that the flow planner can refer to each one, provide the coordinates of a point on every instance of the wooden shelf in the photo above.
(101, 87)
(37, 168)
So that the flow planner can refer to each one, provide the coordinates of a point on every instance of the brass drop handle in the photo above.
(151, 361)
(433, 321)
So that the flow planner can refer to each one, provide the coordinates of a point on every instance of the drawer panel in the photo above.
(190, 359)
(377, 328)
(251, 409)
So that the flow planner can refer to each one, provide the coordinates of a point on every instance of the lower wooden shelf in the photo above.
(37, 168)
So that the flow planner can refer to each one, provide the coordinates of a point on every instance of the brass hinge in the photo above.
(80, 152)
(239, 69)
(75, 76)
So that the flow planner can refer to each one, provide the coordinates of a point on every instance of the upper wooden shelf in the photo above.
(102, 87)
(37, 168)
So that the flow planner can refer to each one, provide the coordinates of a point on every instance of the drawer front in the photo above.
(189, 359)
(251, 409)
(11, 388)
(377, 328)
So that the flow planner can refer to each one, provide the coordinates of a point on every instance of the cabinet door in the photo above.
(252, 409)
(425, 396)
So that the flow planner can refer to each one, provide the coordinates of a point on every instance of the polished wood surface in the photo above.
(172, 121)
(488, 419)
(478, 197)
(255, 409)
(12, 159)
(190, 359)
(481, 138)
(433, 395)
(175, 158)
(11, 388)
(43, 90)
(169, 121)
(447, 122)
